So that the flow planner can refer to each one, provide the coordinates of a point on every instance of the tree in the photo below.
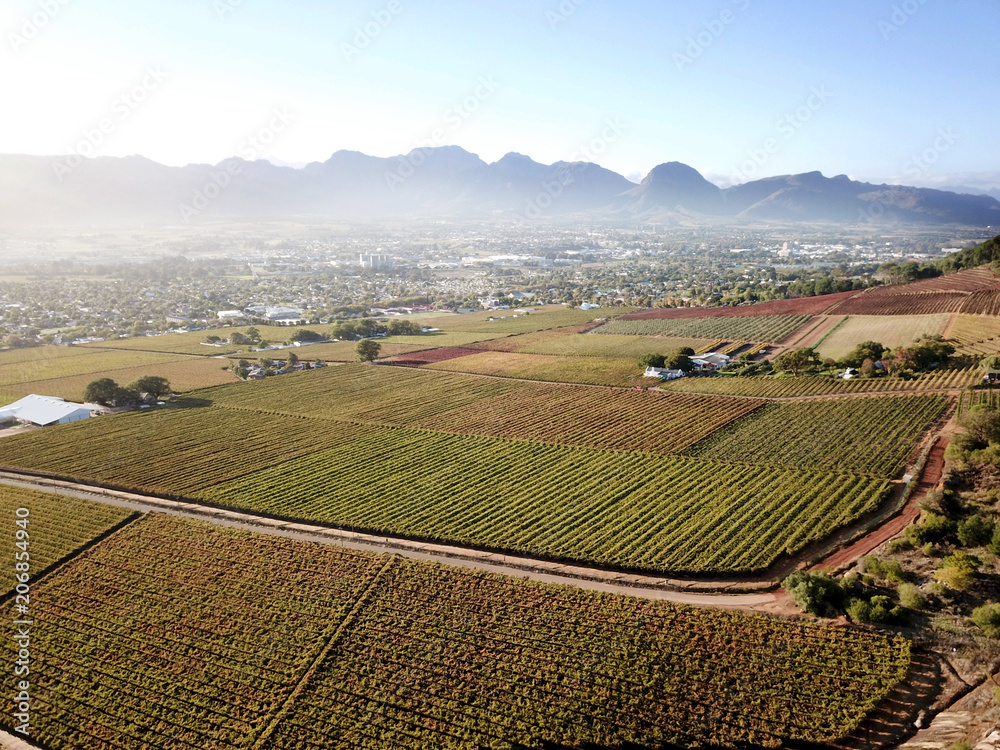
(990, 363)
(403, 328)
(798, 361)
(154, 385)
(292, 359)
(652, 360)
(868, 369)
(975, 531)
(238, 339)
(678, 360)
(103, 391)
(957, 570)
(367, 350)
(817, 593)
(305, 335)
(866, 350)
(253, 335)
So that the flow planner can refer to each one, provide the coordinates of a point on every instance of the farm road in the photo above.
(647, 587)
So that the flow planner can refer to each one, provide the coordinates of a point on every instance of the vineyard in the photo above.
(621, 420)
(57, 526)
(798, 306)
(982, 303)
(608, 371)
(431, 356)
(933, 303)
(493, 662)
(523, 340)
(828, 434)
(888, 330)
(976, 288)
(764, 328)
(185, 375)
(176, 633)
(790, 387)
(978, 397)
(611, 508)
(611, 346)
(975, 336)
(172, 452)
(90, 363)
(511, 322)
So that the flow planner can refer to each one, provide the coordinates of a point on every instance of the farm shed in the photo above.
(46, 410)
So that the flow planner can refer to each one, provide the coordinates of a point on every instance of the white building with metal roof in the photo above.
(46, 410)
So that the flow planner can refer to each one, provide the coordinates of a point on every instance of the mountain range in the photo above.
(446, 183)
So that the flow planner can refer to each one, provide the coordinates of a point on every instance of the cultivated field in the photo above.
(591, 345)
(764, 328)
(56, 527)
(511, 322)
(254, 641)
(610, 371)
(586, 474)
(799, 306)
(185, 374)
(891, 331)
(868, 435)
(791, 387)
(612, 508)
(975, 336)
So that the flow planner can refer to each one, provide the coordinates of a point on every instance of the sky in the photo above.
(899, 91)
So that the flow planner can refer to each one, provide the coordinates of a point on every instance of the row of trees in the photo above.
(107, 392)
(924, 354)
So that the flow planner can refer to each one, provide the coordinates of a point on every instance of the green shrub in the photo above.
(879, 609)
(910, 596)
(975, 531)
(956, 571)
(932, 528)
(995, 541)
(987, 618)
(884, 570)
(816, 593)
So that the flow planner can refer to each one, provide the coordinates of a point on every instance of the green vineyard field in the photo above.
(621, 509)
(177, 633)
(867, 435)
(57, 526)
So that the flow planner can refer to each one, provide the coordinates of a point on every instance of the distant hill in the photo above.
(446, 183)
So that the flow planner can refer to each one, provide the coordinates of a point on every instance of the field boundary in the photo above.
(316, 663)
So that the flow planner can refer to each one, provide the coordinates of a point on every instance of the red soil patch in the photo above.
(799, 306)
(419, 359)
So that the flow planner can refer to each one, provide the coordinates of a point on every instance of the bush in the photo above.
(994, 546)
(911, 597)
(932, 528)
(987, 618)
(885, 570)
(816, 593)
(957, 571)
(975, 531)
(878, 609)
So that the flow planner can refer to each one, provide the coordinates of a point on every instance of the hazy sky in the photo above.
(897, 90)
